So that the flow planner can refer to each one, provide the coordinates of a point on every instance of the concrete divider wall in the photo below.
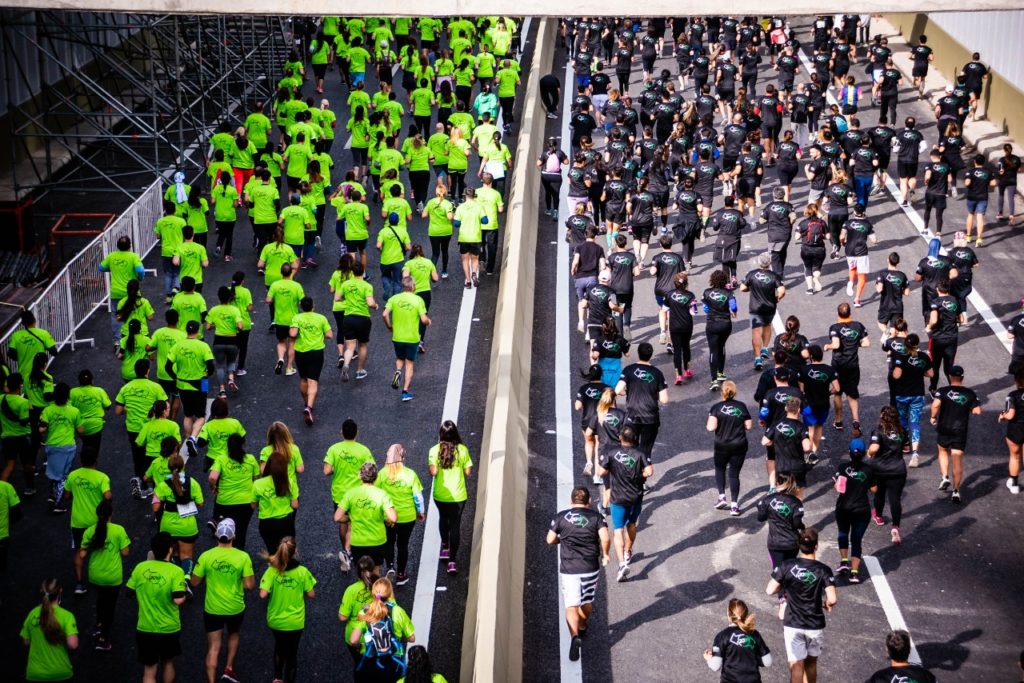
(492, 637)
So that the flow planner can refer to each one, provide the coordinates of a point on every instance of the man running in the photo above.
(626, 469)
(857, 233)
(846, 337)
(309, 333)
(897, 644)
(403, 314)
(766, 291)
(952, 408)
(645, 390)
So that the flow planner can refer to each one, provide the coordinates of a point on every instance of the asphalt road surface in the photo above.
(951, 581)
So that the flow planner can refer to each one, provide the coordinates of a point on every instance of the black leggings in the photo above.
(398, 535)
(225, 236)
(92, 441)
(420, 181)
(835, 226)
(241, 514)
(891, 485)
(243, 347)
(106, 608)
(139, 460)
(929, 204)
(813, 258)
(623, 79)
(450, 523)
(733, 460)
(717, 335)
(944, 354)
(552, 184)
(286, 654)
(273, 530)
(439, 249)
(646, 434)
(549, 97)
(851, 528)
(458, 179)
(681, 347)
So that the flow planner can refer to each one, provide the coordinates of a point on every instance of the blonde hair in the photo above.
(279, 438)
(740, 615)
(728, 390)
(606, 402)
(377, 609)
(284, 554)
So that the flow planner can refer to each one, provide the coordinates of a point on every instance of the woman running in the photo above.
(277, 500)
(288, 585)
(176, 502)
(681, 303)
(440, 213)
(730, 421)
(225, 319)
(587, 398)
(853, 479)
(889, 472)
(449, 463)
(91, 402)
(907, 372)
(279, 440)
(784, 513)
(720, 308)
(49, 632)
(1013, 416)
(607, 350)
(356, 597)
(241, 298)
(225, 214)
(419, 669)
(788, 163)
(812, 233)
(61, 423)
(403, 486)
(134, 306)
(231, 483)
(342, 273)
(550, 164)
(132, 348)
(738, 650)
(382, 624)
(104, 545)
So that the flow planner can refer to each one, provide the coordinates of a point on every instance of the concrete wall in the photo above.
(1001, 99)
(492, 639)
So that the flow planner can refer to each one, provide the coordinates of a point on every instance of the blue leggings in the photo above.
(852, 526)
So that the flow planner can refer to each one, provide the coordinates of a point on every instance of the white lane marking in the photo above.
(348, 143)
(917, 221)
(571, 671)
(888, 600)
(426, 575)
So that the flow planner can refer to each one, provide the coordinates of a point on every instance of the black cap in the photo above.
(783, 373)
(956, 371)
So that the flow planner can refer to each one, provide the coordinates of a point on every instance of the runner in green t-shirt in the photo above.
(470, 218)
(404, 314)
(216, 432)
(190, 363)
(85, 488)
(133, 347)
(49, 660)
(284, 296)
(104, 547)
(10, 511)
(169, 230)
(124, 265)
(28, 342)
(225, 319)
(357, 295)
(287, 584)
(231, 482)
(424, 273)
(228, 573)
(449, 464)
(190, 304)
(190, 258)
(274, 256)
(92, 401)
(309, 332)
(382, 608)
(134, 400)
(162, 341)
(357, 596)
(342, 463)
(406, 493)
(61, 422)
(393, 243)
(160, 589)
(176, 501)
(276, 500)
(369, 512)
(440, 212)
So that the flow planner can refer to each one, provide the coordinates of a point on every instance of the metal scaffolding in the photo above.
(127, 98)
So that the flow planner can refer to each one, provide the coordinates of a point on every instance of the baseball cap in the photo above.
(857, 446)
(949, 87)
(956, 371)
(226, 529)
(604, 276)
(783, 373)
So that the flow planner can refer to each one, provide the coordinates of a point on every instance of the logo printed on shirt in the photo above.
(742, 640)
(781, 507)
(643, 375)
(577, 520)
(803, 576)
(957, 397)
(731, 411)
(626, 459)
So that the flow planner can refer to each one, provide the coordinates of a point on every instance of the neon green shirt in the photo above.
(286, 295)
(27, 344)
(224, 570)
(356, 597)
(295, 219)
(271, 505)
(357, 219)
(334, 284)
(458, 154)
(8, 499)
(394, 241)
(346, 458)
(492, 203)
(14, 420)
(286, 604)
(263, 197)
(106, 564)
(469, 215)
(91, 402)
(163, 340)
(366, 507)
(354, 293)
(87, 487)
(312, 330)
(257, 126)
(224, 199)
(274, 256)
(62, 423)
(226, 320)
(190, 306)
(172, 522)
(438, 210)
(242, 301)
(188, 358)
(235, 480)
(153, 433)
(406, 309)
(123, 267)
(155, 582)
(401, 490)
(46, 661)
(450, 483)
(216, 432)
(138, 397)
(294, 462)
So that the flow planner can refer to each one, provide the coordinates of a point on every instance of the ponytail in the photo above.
(284, 554)
(236, 448)
(99, 536)
(740, 616)
(134, 328)
(366, 569)
(51, 628)
(606, 402)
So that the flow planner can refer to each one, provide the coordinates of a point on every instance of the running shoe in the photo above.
(453, 568)
(444, 275)
(289, 372)
(944, 484)
(216, 252)
(668, 348)
(895, 534)
(279, 366)
(401, 579)
(232, 386)
(915, 460)
(406, 396)
(146, 493)
(622, 573)
(597, 479)
(422, 348)
(396, 380)
(59, 508)
(812, 459)
(391, 574)
(679, 380)
(241, 372)
(307, 416)
(688, 375)
(222, 394)
(192, 447)
(476, 279)
(956, 496)
(857, 303)
(469, 285)
(878, 519)
(977, 242)
(361, 374)
(849, 288)
(734, 510)
(588, 469)
(344, 372)
(758, 364)
(662, 339)
(227, 258)
(444, 552)
(345, 560)
(843, 567)
(103, 645)
(1012, 484)
(627, 556)
(229, 675)
(135, 484)
(574, 649)
(715, 386)
(838, 425)
(856, 425)
(722, 503)
(854, 577)
(81, 589)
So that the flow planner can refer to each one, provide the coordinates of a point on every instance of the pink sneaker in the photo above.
(688, 375)
(679, 380)
(896, 536)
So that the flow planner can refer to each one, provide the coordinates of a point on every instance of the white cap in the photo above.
(949, 87)
(226, 529)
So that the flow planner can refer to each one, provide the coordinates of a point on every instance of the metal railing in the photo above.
(79, 289)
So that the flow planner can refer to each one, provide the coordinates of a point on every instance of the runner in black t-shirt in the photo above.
(1015, 333)
(943, 329)
(931, 270)
(846, 337)
(857, 233)
(585, 404)
(922, 56)
(599, 302)
(951, 410)
(584, 542)
(624, 268)
(738, 651)
(907, 371)
(888, 441)
(937, 177)
(784, 513)
(892, 285)
(681, 304)
(1013, 416)
(790, 440)
(730, 421)
(898, 644)
(627, 469)
(587, 262)
(817, 382)
(979, 180)
(645, 390)
(720, 308)
(853, 479)
(664, 267)
(1007, 169)
(909, 143)
(766, 291)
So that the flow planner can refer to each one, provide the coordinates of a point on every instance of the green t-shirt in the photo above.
(224, 570)
(158, 470)
(402, 629)
(168, 229)
(87, 487)
(355, 598)
(224, 200)
(271, 505)
(458, 154)
(469, 215)
(439, 225)
(28, 343)
(360, 131)
(492, 203)
(8, 499)
(294, 219)
(172, 522)
(485, 62)
(346, 458)
(419, 158)
(14, 416)
(355, 292)
(507, 79)
(137, 397)
(155, 582)
(257, 125)
(357, 220)
(312, 331)
(286, 295)
(450, 484)
(406, 309)
(216, 433)
(401, 490)
(298, 155)
(263, 198)
(438, 145)
(334, 284)
(123, 267)
(106, 566)
(163, 340)
(366, 507)
(422, 101)
(294, 463)
(226, 320)
(394, 240)
(274, 256)
(91, 402)
(190, 306)
(46, 661)
(286, 604)
(36, 392)
(62, 424)
(242, 301)
(358, 57)
(142, 311)
(188, 358)
(235, 480)
(421, 268)
(398, 205)
(130, 356)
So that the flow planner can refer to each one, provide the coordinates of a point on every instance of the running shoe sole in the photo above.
(396, 380)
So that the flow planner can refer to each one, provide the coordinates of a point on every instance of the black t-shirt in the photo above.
(579, 538)
(599, 82)
(946, 328)
(642, 206)
(821, 172)
(762, 284)
(666, 265)
(1015, 402)
(909, 143)
(749, 62)
(893, 282)
(787, 437)
(622, 263)
(686, 203)
(707, 173)
(849, 335)
(859, 481)
(857, 232)
(956, 404)
(933, 269)
(625, 465)
(615, 195)
(768, 107)
(938, 178)
(608, 430)
(716, 304)
(611, 347)
(912, 372)
(902, 674)
(741, 654)
(589, 394)
(864, 161)
(816, 380)
(891, 82)
(732, 416)
(733, 137)
(980, 178)
(964, 259)
(787, 155)
(1016, 328)
(623, 60)
(778, 217)
(643, 384)
(787, 66)
(582, 124)
(577, 176)
(1009, 167)
(785, 516)
(577, 225)
(974, 73)
(851, 139)
(599, 299)
(793, 346)
(680, 315)
(805, 582)
(775, 400)
(921, 53)
(590, 254)
(838, 195)
(889, 457)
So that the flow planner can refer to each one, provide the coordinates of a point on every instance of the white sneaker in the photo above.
(915, 460)
(849, 289)
(588, 469)
(580, 327)
(1013, 486)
